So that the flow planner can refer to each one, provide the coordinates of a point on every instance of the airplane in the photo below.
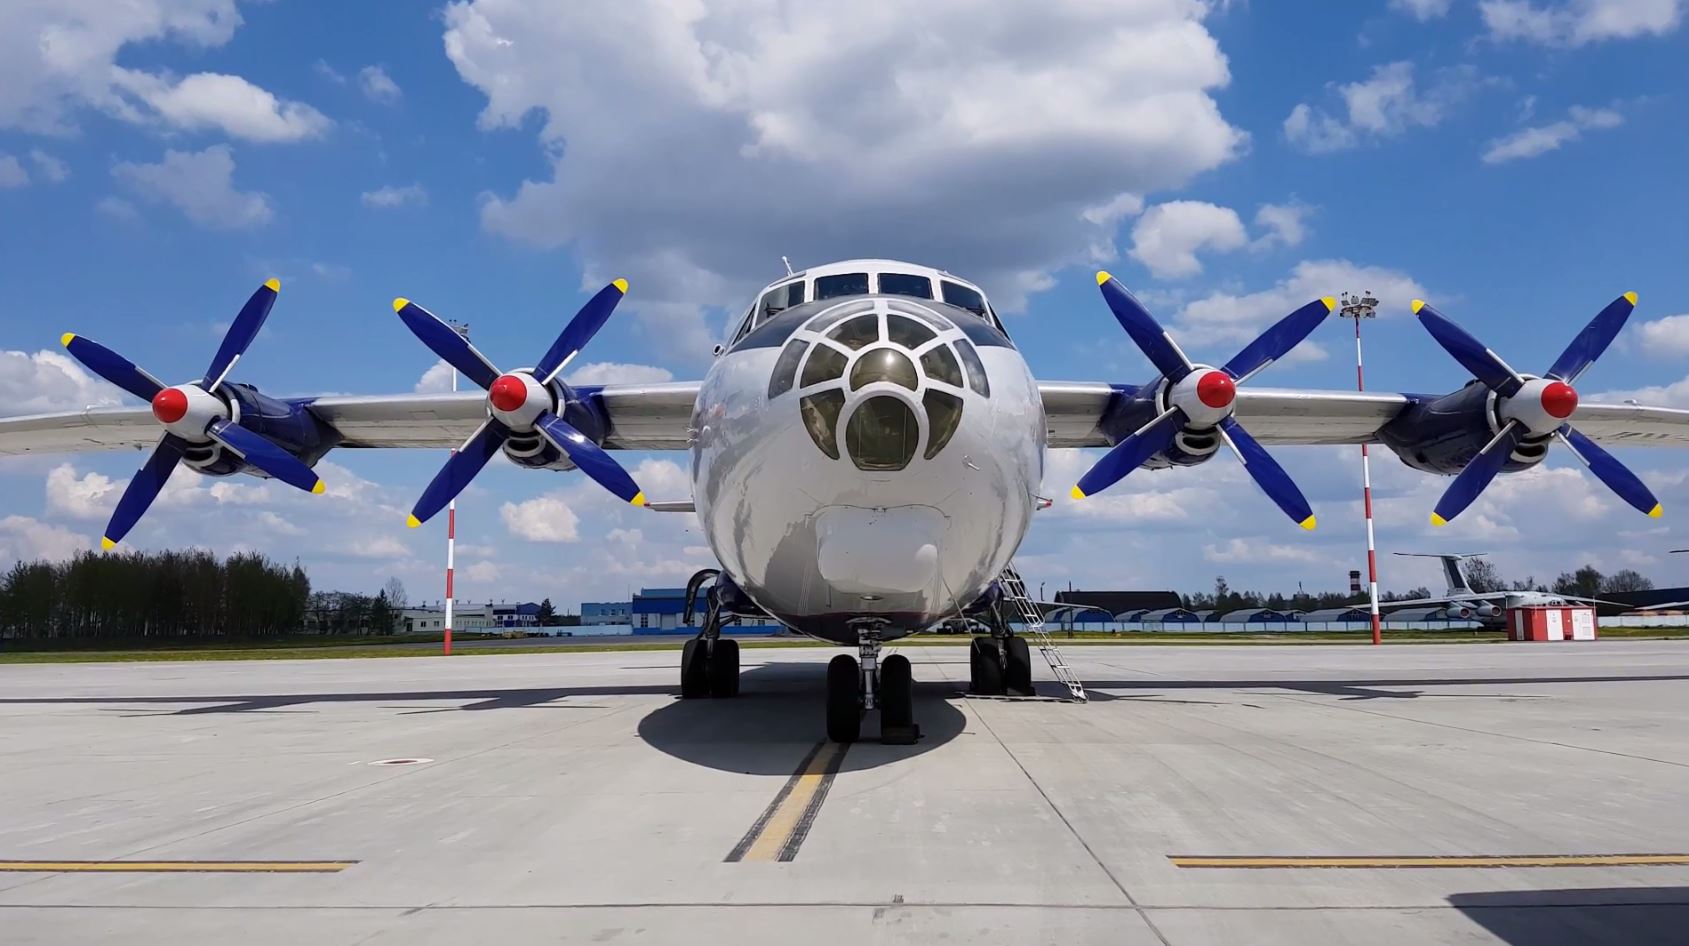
(1461, 603)
(867, 448)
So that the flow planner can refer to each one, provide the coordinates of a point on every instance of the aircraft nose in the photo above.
(877, 552)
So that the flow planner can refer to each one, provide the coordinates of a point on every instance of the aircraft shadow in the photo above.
(1410, 688)
(1635, 916)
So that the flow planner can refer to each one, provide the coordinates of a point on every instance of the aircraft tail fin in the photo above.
(1454, 569)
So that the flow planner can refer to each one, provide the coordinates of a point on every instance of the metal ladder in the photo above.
(1032, 620)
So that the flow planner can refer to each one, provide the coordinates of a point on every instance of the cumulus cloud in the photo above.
(1674, 394)
(613, 372)
(51, 169)
(1285, 225)
(1541, 139)
(389, 197)
(12, 173)
(48, 381)
(1255, 550)
(25, 539)
(118, 209)
(541, 519)
(1168, 236)
(1224, 316)
(989, 150)
(436, 380)
(209, 100)
(90, 496)
(378, 86)
(1579, 22)
(1661, 338)
(201, 185)
(1422, 10)
(1384, 105)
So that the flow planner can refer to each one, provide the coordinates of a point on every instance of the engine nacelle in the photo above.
(1191, 445)
(288, 424)
(1442, 434)
(581, 411)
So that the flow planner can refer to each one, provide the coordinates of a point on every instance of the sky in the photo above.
(1517, 162)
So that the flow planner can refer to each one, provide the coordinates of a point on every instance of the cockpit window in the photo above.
(903, 284)
(786, 368)
(908, 332)
(778, 300)
(962, 297)
(858, 333)
(825, 364)
(844, 284)
(974, 367)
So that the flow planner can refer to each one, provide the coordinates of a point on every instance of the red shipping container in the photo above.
(1555, 623)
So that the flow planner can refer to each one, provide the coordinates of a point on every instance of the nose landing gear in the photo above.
(855, 687)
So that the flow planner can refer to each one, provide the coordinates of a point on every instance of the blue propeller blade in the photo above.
(444, 341)
(1267, 474)
(459, 470)
(1276, 342)
(590, 457)
(1616, 475)
(580, 330)
(1593, 340)
(1480, 470)
(112, 366)
(241, 333)
(143, 489)
(1129, 454)
(265, 455)
(1144, 329)
(1471, 353)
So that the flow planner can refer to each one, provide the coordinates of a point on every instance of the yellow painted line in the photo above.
(1500, 860)
(788, 818)
(178, 867)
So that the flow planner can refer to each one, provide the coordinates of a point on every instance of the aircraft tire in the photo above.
(897, 693)
(694, 670)
(985, 667)
(724, 668)
(1017, 666)
(844, 699)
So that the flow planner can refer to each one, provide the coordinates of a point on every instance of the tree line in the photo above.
(1481, 574)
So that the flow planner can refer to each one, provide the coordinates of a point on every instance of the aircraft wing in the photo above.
(1442, 599)
(642, 417)
(1075, 411)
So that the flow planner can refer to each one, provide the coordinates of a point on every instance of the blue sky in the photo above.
(1519, 163)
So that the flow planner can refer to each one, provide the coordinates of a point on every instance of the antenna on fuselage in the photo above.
(788, 266)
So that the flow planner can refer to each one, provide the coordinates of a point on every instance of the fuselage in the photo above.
(869, 446)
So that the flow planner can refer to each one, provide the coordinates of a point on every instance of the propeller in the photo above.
(192, 414)
(1203, 397)
(1534, 408)
(518, 402)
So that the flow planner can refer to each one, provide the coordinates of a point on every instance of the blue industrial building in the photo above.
(605, 612)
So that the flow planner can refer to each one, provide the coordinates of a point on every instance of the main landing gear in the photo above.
(855, 687)
(1000, 664)
(709, 663)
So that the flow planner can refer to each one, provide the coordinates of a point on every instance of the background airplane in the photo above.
(1461, 603)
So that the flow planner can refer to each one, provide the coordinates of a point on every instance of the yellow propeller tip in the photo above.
(67, 338)
(400, 303)
(273, 284)
(622, 285)
(106, 544)
(412, 522)
(1309, 523)
(1330, 303)
(1630, 297)
(1103, 276)
(1077, 493)
(1416, 305)
(1437, 520)
(319, 488)
(638, 499)
(1656, 512)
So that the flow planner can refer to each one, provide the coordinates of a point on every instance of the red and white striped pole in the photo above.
(451, 526)
(1358, 308)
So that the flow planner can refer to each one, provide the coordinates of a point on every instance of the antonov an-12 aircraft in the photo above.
(866, 451)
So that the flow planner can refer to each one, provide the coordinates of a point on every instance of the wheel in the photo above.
(1017, 666)
(985, 667)
(844, 699)
(724, 668)
(694, 670)
(897, 692)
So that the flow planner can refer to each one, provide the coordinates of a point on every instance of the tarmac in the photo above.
(1487, 793)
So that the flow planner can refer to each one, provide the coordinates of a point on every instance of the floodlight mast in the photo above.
(1365, 306)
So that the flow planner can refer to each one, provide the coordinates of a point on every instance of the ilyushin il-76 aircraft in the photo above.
(866, 450)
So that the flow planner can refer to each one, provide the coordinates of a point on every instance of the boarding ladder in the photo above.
(1022, 606)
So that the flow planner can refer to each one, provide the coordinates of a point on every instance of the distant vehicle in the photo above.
(1461, 603)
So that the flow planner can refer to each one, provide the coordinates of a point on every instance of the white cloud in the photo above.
(1286, 225)
(201, 185)
(1422, 10)
(378, 86)
(49, 167)
(384, 547)
(322, 68)
(541, 519)
(436, 380)
(230, 104)
(1661, 338)
(23, 539)
(1541, 139)
(91, 496)
(1223, 316)
(1386, 104)
(48, 381)
(989, 149)
(1578, 22)
(390, 196)
(612, 372)
(1675, 394)
(1168, 236)
(1256, 549)
(117, 209)
(12, 173)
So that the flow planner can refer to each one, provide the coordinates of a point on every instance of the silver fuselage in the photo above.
(818, 541)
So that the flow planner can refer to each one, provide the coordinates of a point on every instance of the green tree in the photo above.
(547, 615)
